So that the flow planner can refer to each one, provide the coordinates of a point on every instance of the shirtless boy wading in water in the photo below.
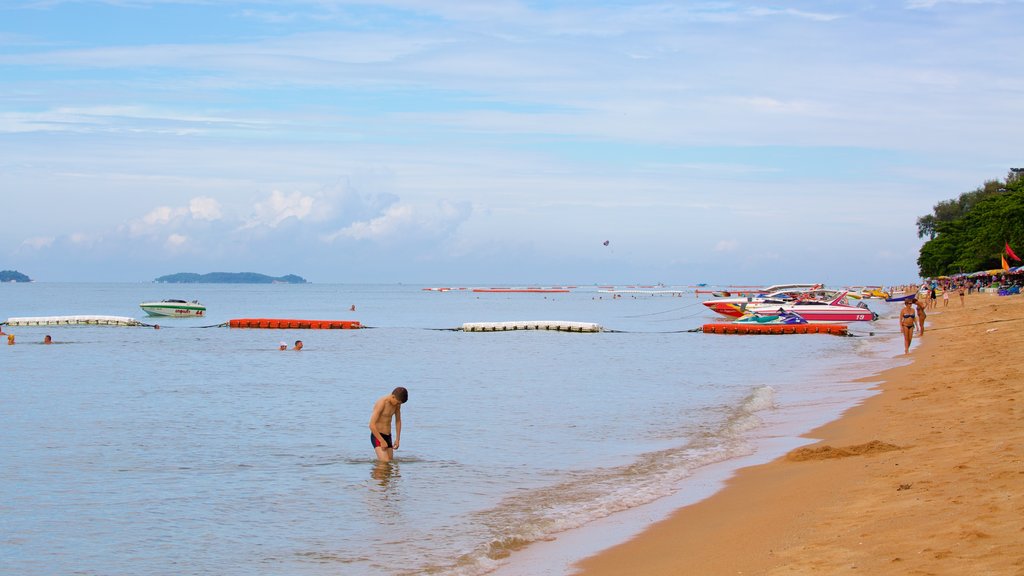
(380, 423)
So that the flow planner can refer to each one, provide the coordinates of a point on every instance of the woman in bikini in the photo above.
(921, 315)
(907, 323)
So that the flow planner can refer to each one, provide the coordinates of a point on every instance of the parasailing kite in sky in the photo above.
(605, 242)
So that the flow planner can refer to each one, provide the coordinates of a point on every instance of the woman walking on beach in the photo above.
(907, 323)
(920, 314)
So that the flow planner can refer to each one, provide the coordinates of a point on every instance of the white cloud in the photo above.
(38, 242)
(82, 239)
(407, 220)
(155, 220)
(914, 4)
(163, 215)
(204, 208)
(280, 207)
(176, 241)
(394, 219)
(726, 246)
(121, 119)
(766, 104)
(816, 16)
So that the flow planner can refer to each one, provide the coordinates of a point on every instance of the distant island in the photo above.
(13, 276)
(229, 278)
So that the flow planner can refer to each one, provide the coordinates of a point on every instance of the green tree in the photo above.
(969, 233)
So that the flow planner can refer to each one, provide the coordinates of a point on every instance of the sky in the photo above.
(503, 142)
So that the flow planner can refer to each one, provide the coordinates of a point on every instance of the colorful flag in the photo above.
(1009, 252)
(1005, 265)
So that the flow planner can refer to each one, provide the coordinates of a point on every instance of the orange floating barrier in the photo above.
(754, 328)
(294, 324)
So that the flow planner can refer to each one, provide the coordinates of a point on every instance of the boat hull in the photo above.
(823, 313)
(173, 309)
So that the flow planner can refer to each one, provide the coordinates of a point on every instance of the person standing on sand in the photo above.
(908, 322)
(961, 295)
(386, 408)
(920, 314)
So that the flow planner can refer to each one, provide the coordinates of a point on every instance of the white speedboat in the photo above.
(174, 308)
(736, 306)
(819, 306)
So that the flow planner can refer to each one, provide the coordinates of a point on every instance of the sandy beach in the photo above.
(925, 478)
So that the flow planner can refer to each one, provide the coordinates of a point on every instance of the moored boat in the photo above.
(736, 291)
(859, 292)
(174, 308)
(737, 306)
(820, 306)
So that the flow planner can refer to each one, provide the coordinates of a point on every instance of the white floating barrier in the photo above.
(74, 320)
(561, 326)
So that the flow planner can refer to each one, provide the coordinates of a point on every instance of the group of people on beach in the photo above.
(914, 311)
(911, 320)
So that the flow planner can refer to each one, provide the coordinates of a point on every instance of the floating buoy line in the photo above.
(560, 326)
(547, 325)
(294, 324)
(77, 320)
(754, 328)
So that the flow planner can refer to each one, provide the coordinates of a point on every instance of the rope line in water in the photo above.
(664, 311)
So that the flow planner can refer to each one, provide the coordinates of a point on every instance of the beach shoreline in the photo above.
(925, 477)
(821, 398)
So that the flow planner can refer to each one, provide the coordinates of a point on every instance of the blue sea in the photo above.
(202, 449)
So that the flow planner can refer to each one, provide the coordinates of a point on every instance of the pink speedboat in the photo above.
(819, 306)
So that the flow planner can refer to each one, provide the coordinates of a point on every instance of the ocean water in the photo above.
(200, 449)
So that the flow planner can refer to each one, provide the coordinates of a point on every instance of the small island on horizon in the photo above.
(229, 278)
(13, 276)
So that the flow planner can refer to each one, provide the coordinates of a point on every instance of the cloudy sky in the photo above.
(453, 142)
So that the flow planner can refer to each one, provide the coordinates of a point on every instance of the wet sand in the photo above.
(925, 478)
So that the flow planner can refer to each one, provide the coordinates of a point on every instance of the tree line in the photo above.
(969, 233)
